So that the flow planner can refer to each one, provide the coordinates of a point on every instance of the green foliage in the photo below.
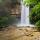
(38, 25)
(35, 14)
(30, 3)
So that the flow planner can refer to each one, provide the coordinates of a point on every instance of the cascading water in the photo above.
(24, 16)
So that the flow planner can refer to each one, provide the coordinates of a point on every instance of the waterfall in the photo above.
(24, 16)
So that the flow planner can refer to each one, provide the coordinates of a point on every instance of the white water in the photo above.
(24, 16)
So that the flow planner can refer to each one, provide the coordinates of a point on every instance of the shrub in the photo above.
(35, 14)
(38, 25)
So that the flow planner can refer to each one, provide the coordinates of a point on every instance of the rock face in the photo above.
(19, 34)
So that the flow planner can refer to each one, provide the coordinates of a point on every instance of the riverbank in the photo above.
(14, 33)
